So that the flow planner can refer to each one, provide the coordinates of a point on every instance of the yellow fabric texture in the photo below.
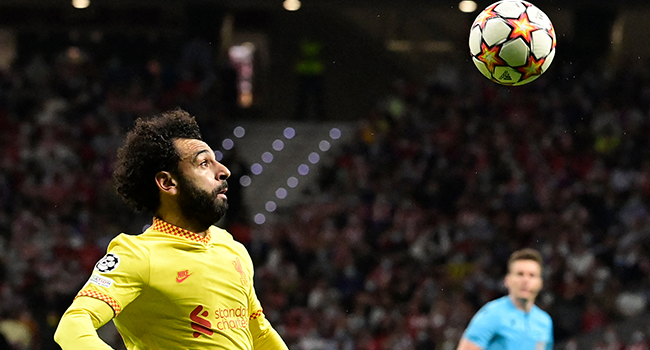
(173, 289)
(77, 327)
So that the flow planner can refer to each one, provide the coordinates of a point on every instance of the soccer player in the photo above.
(183, 283)
(513, 322)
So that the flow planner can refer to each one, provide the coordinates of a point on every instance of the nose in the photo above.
(222, 172)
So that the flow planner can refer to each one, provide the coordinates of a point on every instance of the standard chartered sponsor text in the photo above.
(231, 318)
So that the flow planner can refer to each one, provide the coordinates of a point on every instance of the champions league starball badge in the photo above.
(107, 263)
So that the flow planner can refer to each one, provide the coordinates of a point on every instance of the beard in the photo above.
(201, 206)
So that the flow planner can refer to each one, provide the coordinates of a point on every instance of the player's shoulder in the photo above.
(495, 308)
(221, 236)
(224, 238)
(498, 304)
(489, 315)
(125, 241)
(541, 314)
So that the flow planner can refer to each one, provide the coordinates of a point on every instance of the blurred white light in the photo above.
(259, 218)
(289, 133)
(227, 144)
(292, 182)
(271, 206)
(313, 157)
(303, 169)
(241, 52)
(278, 145)
(291, 5)
(281, 193)
(335, 133)
(324, 145)
(245, 180)
(256, 168)
(218, 155)
(80, 4)
(467, 6)
(239, 132)
(267, 157)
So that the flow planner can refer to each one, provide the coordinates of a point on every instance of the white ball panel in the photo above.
(475, 39)
(515, 52)
(495, 31)
(510, 9)
(548, 61)
(537, 16)
(541, 43)
(482, 68)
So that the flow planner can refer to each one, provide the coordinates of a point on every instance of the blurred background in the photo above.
(380, 182)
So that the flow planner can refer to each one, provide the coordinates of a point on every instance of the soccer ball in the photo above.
(512, 42)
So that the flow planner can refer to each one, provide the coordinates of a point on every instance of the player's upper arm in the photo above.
(466, 344)
(76, 329)
(118, 277)
(483, 326)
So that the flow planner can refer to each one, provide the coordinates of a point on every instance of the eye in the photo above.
(204, 163)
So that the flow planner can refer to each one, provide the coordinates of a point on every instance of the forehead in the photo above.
(190, 147)
(525, 266)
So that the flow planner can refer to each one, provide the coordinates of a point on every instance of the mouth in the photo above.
(222, 192)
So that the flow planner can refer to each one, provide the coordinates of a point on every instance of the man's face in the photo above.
(524, 279)
(201, 182)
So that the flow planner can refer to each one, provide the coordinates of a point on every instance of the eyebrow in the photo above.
(197, 154)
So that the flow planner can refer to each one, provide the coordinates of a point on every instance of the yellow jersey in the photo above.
(170, 288)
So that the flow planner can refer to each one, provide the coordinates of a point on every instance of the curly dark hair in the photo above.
(148, 149)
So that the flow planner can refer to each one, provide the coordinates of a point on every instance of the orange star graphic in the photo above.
(552, 32)
(521, 27)
(534, 67)
(484, 15)
(490, 56)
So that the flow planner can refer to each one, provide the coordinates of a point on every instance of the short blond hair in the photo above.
(526, 254)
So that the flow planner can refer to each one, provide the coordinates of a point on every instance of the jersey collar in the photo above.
(165, 227)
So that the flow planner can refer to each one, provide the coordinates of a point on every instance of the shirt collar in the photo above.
(165, 227)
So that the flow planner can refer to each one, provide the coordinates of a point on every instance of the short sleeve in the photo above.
(119, 276)
(482, 328)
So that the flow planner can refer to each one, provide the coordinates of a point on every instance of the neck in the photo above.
(522, 304)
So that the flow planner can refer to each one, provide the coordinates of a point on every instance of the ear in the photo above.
(166, 182)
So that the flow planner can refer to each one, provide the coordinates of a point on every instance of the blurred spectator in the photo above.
(639, 341)
(611, 340)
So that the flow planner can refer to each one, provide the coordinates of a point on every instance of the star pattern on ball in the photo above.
(521, 27)
(483, 16)
(534, 67)
(490, 56)
(551, 31)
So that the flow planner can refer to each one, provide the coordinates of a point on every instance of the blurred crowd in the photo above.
(408, 230)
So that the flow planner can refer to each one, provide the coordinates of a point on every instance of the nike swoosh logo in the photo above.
(179, 280)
